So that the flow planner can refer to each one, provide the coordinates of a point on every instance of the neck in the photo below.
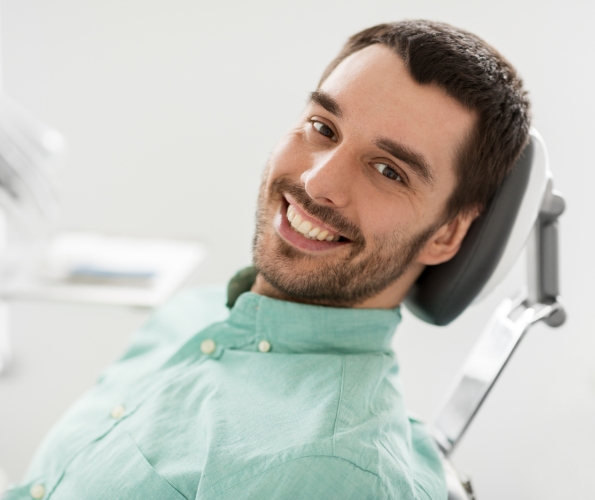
(389, 298)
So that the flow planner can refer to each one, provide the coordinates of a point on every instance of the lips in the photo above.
(301, 229)
(307, 228)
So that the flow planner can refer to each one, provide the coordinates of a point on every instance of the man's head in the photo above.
(412, 128)
(478, 77)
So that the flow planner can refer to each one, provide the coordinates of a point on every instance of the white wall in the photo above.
(171, 108)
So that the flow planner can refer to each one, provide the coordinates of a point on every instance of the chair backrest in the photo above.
(492, 245)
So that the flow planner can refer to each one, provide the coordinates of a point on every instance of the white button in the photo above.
(208, 346)
(37, 491)
(118, 411)
(264, 346)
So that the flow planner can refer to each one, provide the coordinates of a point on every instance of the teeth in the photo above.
(290, 213)
(297, 220)
(322, 235)
(305, 227)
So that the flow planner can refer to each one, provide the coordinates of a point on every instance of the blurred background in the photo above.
(170, 110)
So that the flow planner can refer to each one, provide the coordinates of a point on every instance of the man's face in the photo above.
(354, 194)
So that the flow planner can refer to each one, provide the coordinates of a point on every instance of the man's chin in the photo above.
(319, 279)
(283, 258)
(301, 286)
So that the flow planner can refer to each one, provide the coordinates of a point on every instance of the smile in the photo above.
(307, 228)
(302, 230)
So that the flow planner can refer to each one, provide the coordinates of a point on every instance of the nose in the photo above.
(330, 179)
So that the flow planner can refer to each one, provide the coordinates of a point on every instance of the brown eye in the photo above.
(324, 130)
(388, 171)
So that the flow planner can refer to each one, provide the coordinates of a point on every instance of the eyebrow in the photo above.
(324, 100)
(418, 163)
(415, 160)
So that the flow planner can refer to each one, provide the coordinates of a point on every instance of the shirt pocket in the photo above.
(113, 468)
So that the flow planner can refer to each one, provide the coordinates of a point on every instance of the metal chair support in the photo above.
(510, 322)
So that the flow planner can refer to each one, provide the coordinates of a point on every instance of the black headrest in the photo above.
(444, 291)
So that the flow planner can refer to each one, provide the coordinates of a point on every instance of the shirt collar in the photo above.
(294, 327)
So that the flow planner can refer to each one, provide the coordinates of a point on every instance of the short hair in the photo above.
(476, 75)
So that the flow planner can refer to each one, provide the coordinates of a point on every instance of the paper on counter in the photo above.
(94, 268)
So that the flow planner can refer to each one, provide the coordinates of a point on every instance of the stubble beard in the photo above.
(336, 281)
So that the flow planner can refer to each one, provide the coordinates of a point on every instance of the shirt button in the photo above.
(117, 411)
(264, 346)
(208, 346)
(37, 491)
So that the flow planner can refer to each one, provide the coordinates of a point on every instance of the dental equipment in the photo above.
(523, 213)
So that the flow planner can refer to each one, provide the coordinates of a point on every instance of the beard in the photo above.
(367, 269)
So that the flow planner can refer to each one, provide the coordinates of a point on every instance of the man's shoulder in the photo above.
(364, 437)
(402, 457)
(374, 432)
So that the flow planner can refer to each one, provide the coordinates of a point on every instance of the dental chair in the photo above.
(523, 213)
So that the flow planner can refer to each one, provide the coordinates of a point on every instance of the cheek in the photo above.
(289, 157)
(433, 204)
(382, 216)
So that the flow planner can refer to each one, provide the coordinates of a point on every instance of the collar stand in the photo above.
(301, 328)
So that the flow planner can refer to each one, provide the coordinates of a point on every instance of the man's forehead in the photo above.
(368, 69)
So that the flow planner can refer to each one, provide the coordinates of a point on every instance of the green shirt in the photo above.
(273, 400)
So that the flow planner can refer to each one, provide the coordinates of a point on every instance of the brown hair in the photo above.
(475, 74)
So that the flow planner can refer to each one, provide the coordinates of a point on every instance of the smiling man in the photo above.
(295, 393)
(355, 198)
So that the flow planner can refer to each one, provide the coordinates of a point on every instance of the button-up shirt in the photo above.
(273, 400)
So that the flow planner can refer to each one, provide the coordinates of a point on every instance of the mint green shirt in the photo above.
(275, 400)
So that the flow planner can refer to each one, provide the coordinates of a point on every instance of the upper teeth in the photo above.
(307, 229)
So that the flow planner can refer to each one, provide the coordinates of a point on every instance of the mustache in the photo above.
(327, 215)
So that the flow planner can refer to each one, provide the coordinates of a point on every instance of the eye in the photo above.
(388, 171)
(324, 130)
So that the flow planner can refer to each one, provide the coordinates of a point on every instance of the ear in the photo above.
(446, 241)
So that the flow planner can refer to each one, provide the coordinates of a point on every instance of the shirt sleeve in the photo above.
(308, 478)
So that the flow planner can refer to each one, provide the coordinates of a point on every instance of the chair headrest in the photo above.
(492, 245)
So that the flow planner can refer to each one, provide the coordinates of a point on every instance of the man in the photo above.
(295, 393)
